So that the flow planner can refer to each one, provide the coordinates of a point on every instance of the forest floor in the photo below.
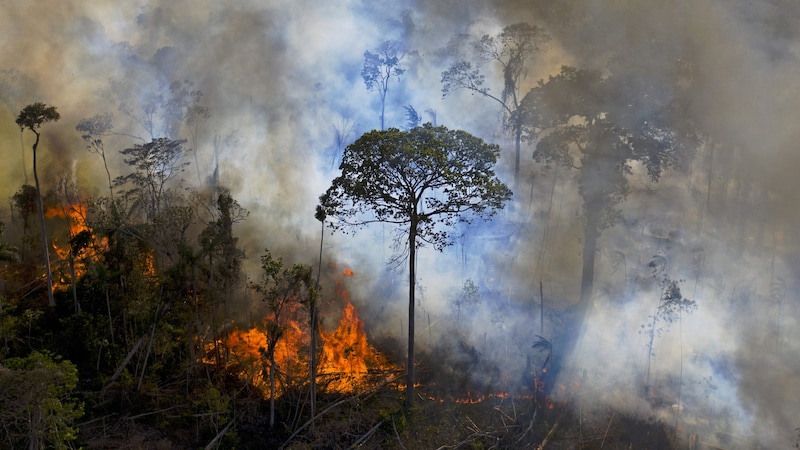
(494, 422)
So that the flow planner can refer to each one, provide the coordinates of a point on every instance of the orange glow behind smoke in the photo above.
(346, 360)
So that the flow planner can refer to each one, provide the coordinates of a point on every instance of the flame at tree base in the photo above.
(347, 361)
(347, 358)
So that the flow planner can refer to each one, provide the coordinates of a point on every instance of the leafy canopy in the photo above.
(423, 177)
(33, 116)
(575, 125)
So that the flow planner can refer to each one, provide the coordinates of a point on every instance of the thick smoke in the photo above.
(282, 78)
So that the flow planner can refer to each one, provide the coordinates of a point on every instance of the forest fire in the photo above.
(347, 361)
(79, 244)
(347, 357)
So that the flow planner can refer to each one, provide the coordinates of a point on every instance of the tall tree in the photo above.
(14, 87)
(32, 117)
(511, 50)
(426, 179)
(380, 67)
(580, 123)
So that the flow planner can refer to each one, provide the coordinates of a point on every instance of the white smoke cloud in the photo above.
(279, 75)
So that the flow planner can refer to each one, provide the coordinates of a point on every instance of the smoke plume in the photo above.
(281, 81)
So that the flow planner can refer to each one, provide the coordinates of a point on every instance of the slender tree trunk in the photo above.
(74, 283)
(3, 327)
(147, 353)
(412, 250)
(51, 302)
(108, 175)
(652, 336)
(194, 145)
(272, 388)
(578, 317)
(383, 106)
(313, 331)
(590, 236)
(110, 320)
(517, 152)
(22, 148)
(541, 307)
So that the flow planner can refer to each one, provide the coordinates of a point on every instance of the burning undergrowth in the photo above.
(347, 362)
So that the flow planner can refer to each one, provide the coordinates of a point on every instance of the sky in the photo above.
(280, 78)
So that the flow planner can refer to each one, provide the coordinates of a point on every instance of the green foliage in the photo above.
(33, 116)
(9, 326)
(217, 241)
(425, 177)
(210, 406)
(36, 410)
(24, 202)
(428, 178)
(8, 253)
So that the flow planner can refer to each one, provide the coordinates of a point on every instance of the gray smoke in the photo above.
(279, 78)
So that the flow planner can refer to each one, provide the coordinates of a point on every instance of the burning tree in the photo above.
(425, 178)
(281, 287)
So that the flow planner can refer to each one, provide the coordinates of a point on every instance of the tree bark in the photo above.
(313, 331)
(518, 150)
(590, 236)
(577, 318)
(51, 302)
(272, 388)
(412, 250)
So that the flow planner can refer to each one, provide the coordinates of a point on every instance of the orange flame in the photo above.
(346, 362)
(248, 349)
(75, 216)
(346, 354)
